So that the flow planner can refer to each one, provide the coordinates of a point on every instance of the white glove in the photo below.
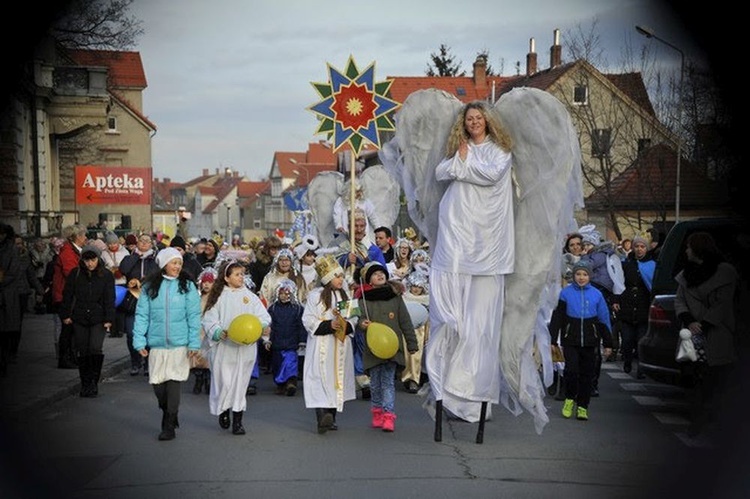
(301, 348)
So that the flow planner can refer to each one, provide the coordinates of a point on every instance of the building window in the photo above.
(601, 142)
(581, 95)
(111, 124)
(256, 223)
(259, 204)
(643, 145)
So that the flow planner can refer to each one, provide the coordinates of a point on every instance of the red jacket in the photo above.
(67, 260)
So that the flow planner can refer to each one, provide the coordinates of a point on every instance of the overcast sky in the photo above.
(229, 80)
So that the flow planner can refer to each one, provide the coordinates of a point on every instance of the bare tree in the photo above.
(98, 25)
(443, 63)
(613, 137)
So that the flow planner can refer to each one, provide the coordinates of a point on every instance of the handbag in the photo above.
(685, 348)
(129, 303)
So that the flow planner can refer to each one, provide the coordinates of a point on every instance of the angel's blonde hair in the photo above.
(495, 130)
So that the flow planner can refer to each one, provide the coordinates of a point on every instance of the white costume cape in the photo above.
(329, 363)
(231, 363)
(546, 168)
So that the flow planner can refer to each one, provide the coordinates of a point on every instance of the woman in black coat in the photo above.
(89, 304)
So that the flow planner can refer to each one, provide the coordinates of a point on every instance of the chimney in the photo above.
(205, 172)
(480, 71)
(531, 67)
(555, 52)
(167, 180)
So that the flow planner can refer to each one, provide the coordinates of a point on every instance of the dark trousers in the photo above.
(88, 340)
(631, 335)
(579, 371)
(710, 388)
(135, 358)
(168, 396)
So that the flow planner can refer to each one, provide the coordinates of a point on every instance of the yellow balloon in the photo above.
(245, 329)
(382, 340)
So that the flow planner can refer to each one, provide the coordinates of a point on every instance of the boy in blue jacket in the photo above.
(582, 317)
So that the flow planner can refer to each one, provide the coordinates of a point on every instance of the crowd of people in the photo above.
(172, 301)
(356, 318)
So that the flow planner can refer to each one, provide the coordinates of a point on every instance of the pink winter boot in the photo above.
(377, 417)
(389, 421)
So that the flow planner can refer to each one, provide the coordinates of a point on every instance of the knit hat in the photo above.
(208, 275)
(131, 239)
(590, 234)
(90, 249)
(582, 265)
(178, 242)
(111, 238)
(370, 268)
(166, 255)
(640, 240)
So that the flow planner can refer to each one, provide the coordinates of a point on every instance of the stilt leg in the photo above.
(438, 421)
(482, 417)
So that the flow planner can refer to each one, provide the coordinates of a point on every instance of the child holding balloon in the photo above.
(233, 348)
(387, 323)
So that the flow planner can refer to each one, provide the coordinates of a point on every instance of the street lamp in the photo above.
(229, 225)
(648, 33)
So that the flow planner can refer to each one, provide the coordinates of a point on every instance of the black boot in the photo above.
(224, 419)
(95, 365)
(334, 426)
(325, 420)
(207, 381)
(198, 381)
(168, 424)
(237, 428)
(84, 373)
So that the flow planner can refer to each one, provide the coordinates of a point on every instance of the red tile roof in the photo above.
(125, 68)
(650, 184)
(462, 87)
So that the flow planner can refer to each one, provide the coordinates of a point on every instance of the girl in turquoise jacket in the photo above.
(167, 332)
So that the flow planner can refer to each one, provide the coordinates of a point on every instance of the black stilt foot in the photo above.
(438, 421)
(482, 417)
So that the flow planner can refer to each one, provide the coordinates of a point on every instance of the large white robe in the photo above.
(231, 363)
(473, 251)
(328, 375)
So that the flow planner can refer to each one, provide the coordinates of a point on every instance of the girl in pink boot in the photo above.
(381, 301)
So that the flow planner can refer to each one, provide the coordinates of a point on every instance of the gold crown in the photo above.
(327, 267)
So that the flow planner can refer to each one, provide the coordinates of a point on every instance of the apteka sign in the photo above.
(112, 185)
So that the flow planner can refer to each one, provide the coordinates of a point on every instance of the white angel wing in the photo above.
(547, 164)
(382, 189)
(322, 192)
(422, 126)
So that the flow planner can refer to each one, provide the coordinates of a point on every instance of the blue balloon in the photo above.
(119, 294)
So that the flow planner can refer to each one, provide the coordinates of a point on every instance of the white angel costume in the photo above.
(329, 363)
(231, 363)
(547, 179)
(466, 278)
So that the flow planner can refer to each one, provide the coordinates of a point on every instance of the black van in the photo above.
(657, 348)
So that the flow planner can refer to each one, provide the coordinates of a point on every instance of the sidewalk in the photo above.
(35, 381)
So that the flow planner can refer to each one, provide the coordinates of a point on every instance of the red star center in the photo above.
(354, 106)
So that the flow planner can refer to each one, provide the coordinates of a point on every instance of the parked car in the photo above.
(657, 348)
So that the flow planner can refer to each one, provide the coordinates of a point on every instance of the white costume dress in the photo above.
(231, 363)
(329, 363)
(467, 279)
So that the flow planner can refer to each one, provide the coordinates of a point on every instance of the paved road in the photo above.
(633, 446)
